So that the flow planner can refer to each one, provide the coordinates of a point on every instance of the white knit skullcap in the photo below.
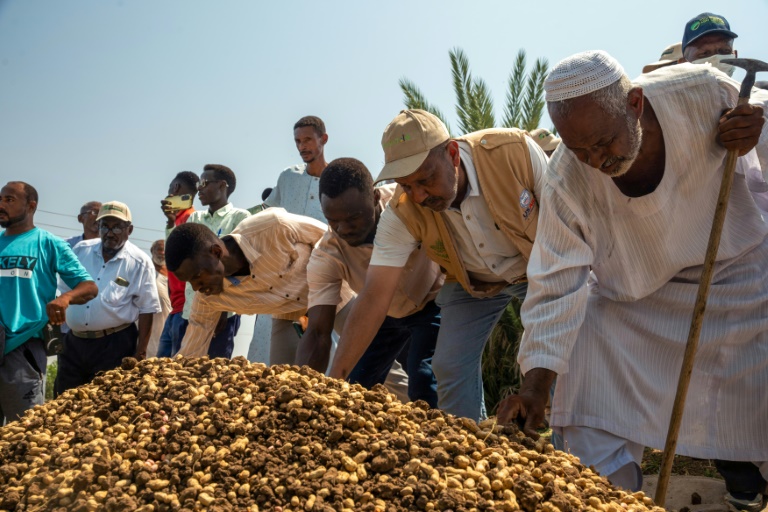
(581, 74)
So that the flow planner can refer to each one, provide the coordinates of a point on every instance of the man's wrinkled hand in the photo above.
(524, 410)
(140, 354)
(528, 406)
(739, 128)
(57, 310)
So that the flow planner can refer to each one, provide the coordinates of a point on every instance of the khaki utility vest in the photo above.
(505, 175)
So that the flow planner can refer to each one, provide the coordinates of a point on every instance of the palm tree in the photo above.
(474, 105)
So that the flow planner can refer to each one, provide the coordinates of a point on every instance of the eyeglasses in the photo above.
(204, 183)
(114, 229)
(90, 212)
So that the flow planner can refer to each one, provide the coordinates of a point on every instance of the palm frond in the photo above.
(533, 104)
(515, 86)
(462, 86)
(481, 107)
(414, 98)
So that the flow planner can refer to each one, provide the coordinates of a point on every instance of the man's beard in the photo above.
(10, 221)
(636, 140)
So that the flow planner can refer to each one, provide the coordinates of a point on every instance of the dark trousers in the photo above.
(173, 332)
(411, 340)
(83, 358)
(223, 343)
(742, 479)
(22, 379)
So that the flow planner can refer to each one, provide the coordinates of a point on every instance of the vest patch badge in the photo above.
(438, 248)
(527, 203)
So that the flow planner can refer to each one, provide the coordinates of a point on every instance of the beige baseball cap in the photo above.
(669, 56)
(407, 141)
(115, 209)
(545, 139)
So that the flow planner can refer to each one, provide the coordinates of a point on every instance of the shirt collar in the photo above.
(119, 256)
(473, 189)
(221, 211)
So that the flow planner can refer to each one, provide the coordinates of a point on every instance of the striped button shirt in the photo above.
(277, 245)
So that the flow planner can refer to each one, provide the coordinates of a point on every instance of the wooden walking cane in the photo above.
(752, 66)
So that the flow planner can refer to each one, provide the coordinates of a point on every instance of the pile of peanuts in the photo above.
(219, 435)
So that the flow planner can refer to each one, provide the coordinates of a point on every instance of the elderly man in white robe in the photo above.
(630, 195)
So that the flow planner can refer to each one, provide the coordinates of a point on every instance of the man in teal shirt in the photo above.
(30, 259)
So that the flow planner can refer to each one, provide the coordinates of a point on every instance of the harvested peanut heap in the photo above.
(197, 434)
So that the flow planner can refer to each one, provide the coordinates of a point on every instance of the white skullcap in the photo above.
(581, 74)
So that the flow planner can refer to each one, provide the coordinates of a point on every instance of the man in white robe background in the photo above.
(630, 195)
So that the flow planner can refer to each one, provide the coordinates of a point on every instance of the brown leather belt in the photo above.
(520, 280)
(100, 334)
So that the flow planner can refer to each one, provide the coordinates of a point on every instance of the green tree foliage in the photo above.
(501, 373)
(474, 105)
(415, 99)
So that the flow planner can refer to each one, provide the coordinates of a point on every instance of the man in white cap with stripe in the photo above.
(471, 204)
(631, 198)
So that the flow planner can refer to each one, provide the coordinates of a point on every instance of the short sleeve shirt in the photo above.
(334, 263)
(29, 263)
(297, 192)
(120, 301)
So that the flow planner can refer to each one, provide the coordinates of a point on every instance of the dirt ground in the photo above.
(686, 466)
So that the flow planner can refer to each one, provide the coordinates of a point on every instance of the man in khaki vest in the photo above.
(471, 204)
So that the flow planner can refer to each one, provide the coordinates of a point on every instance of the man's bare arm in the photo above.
(365, 319)
(315, 346)
(80, 294)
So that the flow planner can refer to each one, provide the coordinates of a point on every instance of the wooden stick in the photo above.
(693, 334)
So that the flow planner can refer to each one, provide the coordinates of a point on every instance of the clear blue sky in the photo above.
(107, 100)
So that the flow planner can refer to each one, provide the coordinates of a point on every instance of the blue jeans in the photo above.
(223, 343)
(173, 332)
(411, 340)
(175, 327)
(466, 325)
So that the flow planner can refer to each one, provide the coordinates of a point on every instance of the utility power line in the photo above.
(78, 229)
(70, 216)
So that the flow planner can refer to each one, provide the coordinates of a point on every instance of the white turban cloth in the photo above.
(581, 74)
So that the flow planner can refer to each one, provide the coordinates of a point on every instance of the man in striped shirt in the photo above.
(216, 185)
(259, 268)
(630, 196)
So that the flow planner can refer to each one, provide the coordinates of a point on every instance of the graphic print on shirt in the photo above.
(439, 249)
(527, 203)
(17, 266)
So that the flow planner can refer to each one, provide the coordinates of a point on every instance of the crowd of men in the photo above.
(400, 279)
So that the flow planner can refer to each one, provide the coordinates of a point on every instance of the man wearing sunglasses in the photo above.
(217, 183)
(87, 217)
(104, 331)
